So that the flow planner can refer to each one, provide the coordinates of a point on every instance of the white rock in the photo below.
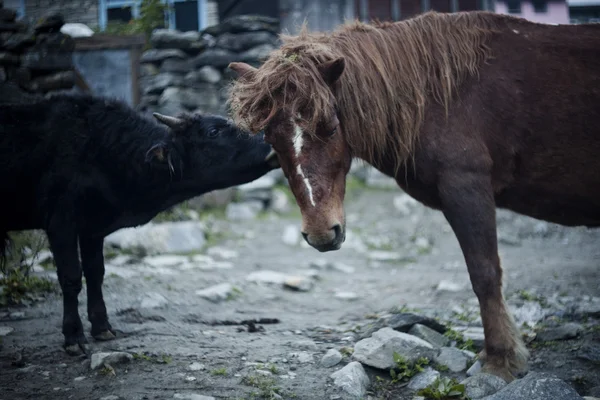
(453, 358)
(352, 379)
(217, 293)
(291, 235)
(382, 255)
(346, 295)
(423, 379)
(299, 283)
(222, 253)
(76, 30)
(243, 211)
(99, 359)
(404, 204)
(481, 385)
(196, 366)
(302, 357)
(448, 286)
(267, 276)
(166, 260)
(331, 358)
(192, 396)
(6, 330)
(280, 202)
(167, 237)
(378, 350)
(78, 379)
(264, 182)
(153, 300)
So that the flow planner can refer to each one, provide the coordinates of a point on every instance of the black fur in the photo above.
(81, 167)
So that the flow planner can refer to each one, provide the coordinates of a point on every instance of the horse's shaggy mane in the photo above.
(392, 71)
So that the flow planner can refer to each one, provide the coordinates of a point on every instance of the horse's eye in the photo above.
(331, 132)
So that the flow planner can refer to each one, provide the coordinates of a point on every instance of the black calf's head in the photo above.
(210, 151)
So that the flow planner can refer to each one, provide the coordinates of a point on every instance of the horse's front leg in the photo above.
(468, 205)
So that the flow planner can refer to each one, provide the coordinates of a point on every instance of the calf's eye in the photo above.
(212, 132)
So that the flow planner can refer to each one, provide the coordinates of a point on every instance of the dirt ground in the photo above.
(182, 345)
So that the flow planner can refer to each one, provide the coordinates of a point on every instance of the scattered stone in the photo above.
(481, 385)
(382, 255)
(160, 55)
(402, 322)
(5, 330)
(346, 295)
(423, 379)
(153, 300)
(475, 333)
(594, 392)
(166, 260)
(474, 369)
(267, 276)
(167, 237)
(298, 283)
(99, 359)
(110, 397)
(192, 396)
(279, 201)
(76, 30)
(569, 330)
(589, 309)
(530, 313)
(196, 366)
(429, 335)
(352, 379)
(377, 351)
(291, 235)
(536, 386)
(217, 293)
(78, 379)
(243, 211)
(331, 358)
(447, 286)
(173, 39)
(376, 179)
(404, 204)
(245, 23)
(176, 66)
(453, 358)
(256, 54)
(222, 253)
(508, 239)
(302, 357)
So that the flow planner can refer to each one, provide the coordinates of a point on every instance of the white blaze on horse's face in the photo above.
(298, 142)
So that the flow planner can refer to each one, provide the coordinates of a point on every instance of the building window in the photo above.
(121, 14)
(540, 6)
(514, 6)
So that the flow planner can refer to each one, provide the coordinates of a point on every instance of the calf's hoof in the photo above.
(105, 335)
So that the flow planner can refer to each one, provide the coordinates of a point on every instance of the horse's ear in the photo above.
(243, 70)
(332, 70)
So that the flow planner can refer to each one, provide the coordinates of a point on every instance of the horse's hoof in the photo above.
(104, 336)
(502, 373)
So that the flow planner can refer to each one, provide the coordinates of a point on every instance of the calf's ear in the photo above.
(158, 153)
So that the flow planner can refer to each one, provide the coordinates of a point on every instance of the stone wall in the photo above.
(34, 59)
(187, 71)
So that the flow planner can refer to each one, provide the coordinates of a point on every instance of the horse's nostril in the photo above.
(337, 229)
(305, 236)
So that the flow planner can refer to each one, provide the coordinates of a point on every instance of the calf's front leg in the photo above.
(92, 260)
(468, 205)
(62, 237)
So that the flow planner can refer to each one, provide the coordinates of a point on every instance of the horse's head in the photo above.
(294, 103)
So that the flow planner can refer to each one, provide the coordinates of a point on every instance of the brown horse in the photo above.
(467, 111)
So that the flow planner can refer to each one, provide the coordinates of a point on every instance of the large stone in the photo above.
(245, 23)
(17, 42)
(168, 237)
(352, 380)
(481, 385)
(76, 30)
(244, 41)
(43, 61)
(217, 293)
(158, 83)
(159, 55)
(258, 53)
(99, 359)
(189, 98)
(176, 66)
(5, 330)
(172, 39)
(378, 350)
(8, 58)
(536, 386)
(206, 74)
(567, 331)
(243, 211)
(402, 322)
(590, 352)
(429, 335)
(453, 358)
(331, 358)
(423, 379)
(218, 58)
(18, 26)
(7, 14)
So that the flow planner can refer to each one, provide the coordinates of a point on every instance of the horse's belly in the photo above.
(569, 209)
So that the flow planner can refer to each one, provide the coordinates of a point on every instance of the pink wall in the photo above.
(558, 12)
